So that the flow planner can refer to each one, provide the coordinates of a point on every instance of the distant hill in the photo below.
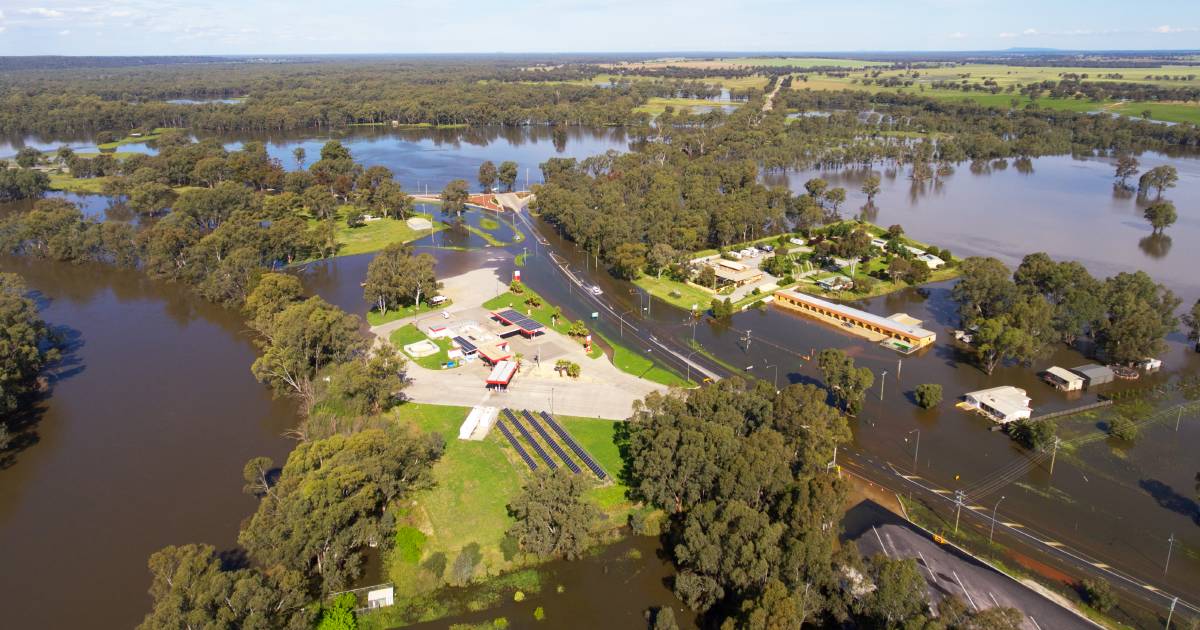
(48, 62)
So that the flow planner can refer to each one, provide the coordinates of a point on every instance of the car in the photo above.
(767, 248)
(596, 290)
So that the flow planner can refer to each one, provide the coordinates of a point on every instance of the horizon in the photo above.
(196, 28)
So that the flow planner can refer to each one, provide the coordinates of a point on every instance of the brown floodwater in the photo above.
(140, 445)
(142, 441)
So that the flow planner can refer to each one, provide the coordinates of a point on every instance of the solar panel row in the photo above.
(516, 318)
(579, 451)
(529, 438)
(558, 450)
(517, 446)
(466, 346)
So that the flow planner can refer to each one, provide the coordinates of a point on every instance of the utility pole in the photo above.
(899, 364)
(1178, 415)
(1171, 547)
(918, 449)
(882, 381)
(833, 463)
(994, 508)
(1171, 612)
(1054, 455)
(959, 497)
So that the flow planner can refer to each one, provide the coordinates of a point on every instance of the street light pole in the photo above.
(1171, 541)
(916, 451)
(882, 382)
(994, 508)
(959, 496)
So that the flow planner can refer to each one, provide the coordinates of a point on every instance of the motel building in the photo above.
(899, 331)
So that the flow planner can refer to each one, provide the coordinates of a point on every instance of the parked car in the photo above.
(767, 248)
(796, 241)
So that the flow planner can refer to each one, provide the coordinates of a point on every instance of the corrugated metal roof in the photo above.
(1064, 374)
(882, 322)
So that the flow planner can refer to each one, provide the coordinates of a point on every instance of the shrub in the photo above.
(1034, 434)
(409, 541)
(515, 287)
(500, 623)
(1098, 594)
(539, 613)
(1123, 428)
(340, 615)
(929, 395)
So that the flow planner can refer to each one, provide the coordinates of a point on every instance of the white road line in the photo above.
(893, 544)
(994, 599)
(964, 590)
(881, 545)
(1035, 623)
(927, 568)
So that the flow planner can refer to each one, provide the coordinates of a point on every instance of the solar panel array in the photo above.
(529, 438)
(582, 454)
(558, 450)
(521, 321)
(466, 346)
(517, 445)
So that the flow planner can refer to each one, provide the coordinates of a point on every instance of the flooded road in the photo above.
(142, 442)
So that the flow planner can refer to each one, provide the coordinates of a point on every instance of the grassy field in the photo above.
(1005, 76)
(636, 362)
(376, 235)
(665, 289)
(657, 105)
(807, 62)
(84, 186)
(473, 483)
(411, 334)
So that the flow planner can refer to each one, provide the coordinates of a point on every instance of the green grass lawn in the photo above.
(473, 484)
(84, 186)
(376, 235)
(636, 362)
(411, 334)
(656, 105)
(1170, 112)
(664, 289)
(375, 318)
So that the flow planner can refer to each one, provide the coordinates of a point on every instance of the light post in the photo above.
(775, 368)
(688, 361)
(917, 450)
(882, 382)
(994, 508)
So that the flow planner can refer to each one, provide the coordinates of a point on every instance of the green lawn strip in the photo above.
(541, 314)
(489, 224)
(375, 318)
(491, 240)
(636, 362)
(84, 186)
(411, 334)
(376, 235)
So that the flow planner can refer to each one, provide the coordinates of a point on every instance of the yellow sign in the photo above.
(939, 540)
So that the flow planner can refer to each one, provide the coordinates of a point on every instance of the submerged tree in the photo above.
(399, 277)
(487, 175)
(454, 197)
(26, 343)
(1161, 215)
(848, 384)
(508, 174)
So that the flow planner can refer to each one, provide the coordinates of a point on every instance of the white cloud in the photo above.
(42, 12)
(1007, 35)
(1167, 29)
(958, 35)
(1029, 31)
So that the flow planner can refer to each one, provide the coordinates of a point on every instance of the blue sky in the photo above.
(138, 27)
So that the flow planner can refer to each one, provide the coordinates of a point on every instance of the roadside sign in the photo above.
(595, 314)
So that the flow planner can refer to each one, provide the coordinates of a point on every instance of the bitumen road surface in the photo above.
(949, 571)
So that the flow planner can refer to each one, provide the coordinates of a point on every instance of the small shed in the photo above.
(1094, 374)
(1063, 379)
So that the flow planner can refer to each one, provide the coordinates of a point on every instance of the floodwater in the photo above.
(140, 445)
(613, 589)
(1062, 205)
(424, 160)
(142, 440)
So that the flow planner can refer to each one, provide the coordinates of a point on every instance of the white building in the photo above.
(932, 261)
(1064, 380)
(1003, 404)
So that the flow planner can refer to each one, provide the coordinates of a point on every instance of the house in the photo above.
(899, 327)
(735, 273)
(880, 243)
(1003, 404)
(932, 261)
(836, 283)
(1149, 364)
(1062, 379)
(1094, 374)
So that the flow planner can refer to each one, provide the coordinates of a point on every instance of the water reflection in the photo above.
(1156, 245)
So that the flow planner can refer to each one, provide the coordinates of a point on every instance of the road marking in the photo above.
(964, 590)
(1035, 623)
(893, 544)
(993, 596)
(927, 568)
(881, 545)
